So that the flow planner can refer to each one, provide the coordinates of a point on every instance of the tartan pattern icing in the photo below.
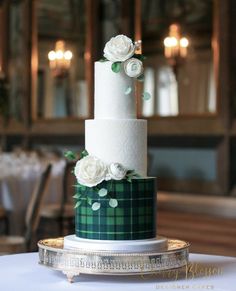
(134, 218)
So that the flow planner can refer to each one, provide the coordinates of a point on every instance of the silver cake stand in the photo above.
(73, 262)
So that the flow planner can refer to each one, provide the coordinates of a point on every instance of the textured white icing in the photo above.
(110, 100)
(121, 141)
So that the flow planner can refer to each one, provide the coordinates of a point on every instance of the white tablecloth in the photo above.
(15, 191)
(22, 272)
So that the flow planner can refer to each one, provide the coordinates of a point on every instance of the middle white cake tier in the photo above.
(121, 141)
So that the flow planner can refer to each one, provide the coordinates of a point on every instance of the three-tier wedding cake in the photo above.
(115, 200)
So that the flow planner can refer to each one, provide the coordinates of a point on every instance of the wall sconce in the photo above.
(60, 60)
(176, 47)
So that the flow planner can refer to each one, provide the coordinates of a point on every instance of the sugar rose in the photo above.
(90, 171)
(119, 49)
(116, 171)
(133, 68)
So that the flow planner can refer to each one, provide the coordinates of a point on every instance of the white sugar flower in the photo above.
(116, 171)
(119, 49)
(133, 67)
(90, 171)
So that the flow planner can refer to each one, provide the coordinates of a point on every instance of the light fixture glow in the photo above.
(167, 42)
(184, 42)
(68, 55)
(60, 59)
(51, 55)
(59, 55)
(175, 45)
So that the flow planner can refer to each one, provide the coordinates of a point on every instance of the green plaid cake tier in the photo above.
(134, 218)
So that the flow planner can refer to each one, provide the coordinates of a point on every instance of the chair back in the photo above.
(69, 181)
(33, 210)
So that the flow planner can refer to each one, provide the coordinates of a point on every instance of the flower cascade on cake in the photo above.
(90, 172)
(121, 49)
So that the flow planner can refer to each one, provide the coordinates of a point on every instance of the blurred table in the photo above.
(22, 272)
(18, 176)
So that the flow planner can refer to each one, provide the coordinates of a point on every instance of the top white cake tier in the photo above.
(111, 102)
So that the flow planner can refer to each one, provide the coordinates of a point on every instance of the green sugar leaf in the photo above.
(141, 78)
(136, 175)
(140, 57)
(70, 155)
(77, 196)
(102, 192)
(89, 200)
(96, 206)
(129, 179)
(146, 96)
(113, 203)
(78, 203)
(116, 67)
(102, 60)
(81, 187)
(130, 173)
(83, 154)
(128, 90)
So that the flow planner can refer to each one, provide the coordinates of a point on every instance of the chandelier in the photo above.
(176, 46)
(60, 60)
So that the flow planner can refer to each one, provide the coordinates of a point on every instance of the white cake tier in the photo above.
(121, 141)
(110, 100)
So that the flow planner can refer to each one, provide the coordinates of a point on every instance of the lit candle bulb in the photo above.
(183, 47)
